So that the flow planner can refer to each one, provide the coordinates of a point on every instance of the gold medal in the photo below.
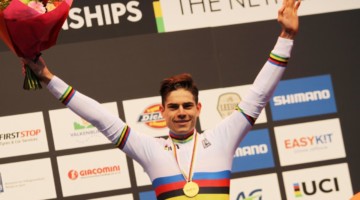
(191, 189)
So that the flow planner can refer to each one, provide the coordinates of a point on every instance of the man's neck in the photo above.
(182, 138)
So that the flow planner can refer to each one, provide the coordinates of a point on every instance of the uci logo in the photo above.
(325, 186)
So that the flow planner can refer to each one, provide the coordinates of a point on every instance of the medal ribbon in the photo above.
(187, 178)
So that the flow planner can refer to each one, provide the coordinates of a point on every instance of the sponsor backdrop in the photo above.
(304, 145)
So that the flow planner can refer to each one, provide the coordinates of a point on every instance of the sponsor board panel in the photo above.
(255, 187)
(191, 14)
(22, 134)
(330, 182)
(254, 152)
(144, 116)
(149, 195)
(71, 131)
(93, 172)
(220, 103)
(117, 197)
(142, 178)
(303, 97)
(309, 142)
(1, 185)
(27, 180)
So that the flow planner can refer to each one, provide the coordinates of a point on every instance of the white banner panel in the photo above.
(143, 115)
(220, 103)
(71, 131)
(93, 172)
(309, 142)
(192, 14)
(142, 178)
(22, 135)
(27, 180)
(117, 197)
(255, 187)
(330, 182)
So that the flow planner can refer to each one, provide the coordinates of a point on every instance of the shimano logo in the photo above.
(316, 95)
(251, 150)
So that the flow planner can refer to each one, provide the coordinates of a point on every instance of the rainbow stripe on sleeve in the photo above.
(250, 119)
(278, 60)
(68, 95)
(123, 137)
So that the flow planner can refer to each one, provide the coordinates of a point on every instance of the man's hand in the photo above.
(288, 18)
(40, 69)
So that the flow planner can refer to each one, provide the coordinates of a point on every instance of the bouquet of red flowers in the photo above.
(28, 27)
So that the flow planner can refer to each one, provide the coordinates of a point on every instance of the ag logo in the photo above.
(152, 117)
(254, 195)
(227, 103)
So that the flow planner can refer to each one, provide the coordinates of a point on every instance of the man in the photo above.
(187, 164)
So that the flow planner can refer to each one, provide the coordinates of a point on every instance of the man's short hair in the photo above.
(184, 81)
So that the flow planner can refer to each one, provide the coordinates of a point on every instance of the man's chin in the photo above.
(181, 131)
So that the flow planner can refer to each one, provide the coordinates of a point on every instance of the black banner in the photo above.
(93, 20)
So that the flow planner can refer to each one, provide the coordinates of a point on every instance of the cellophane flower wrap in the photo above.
(29, 29)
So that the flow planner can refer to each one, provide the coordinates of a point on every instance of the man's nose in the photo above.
(181, 112)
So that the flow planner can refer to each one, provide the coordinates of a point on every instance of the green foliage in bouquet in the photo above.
(4, 4)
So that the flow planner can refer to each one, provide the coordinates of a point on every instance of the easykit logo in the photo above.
(253, 195)
(227, 103)
(309, 142)
(320, 141)
(92, 20)
(254, 152)
(152, 117)
(94, 172)
(303, 97)
(327, 185)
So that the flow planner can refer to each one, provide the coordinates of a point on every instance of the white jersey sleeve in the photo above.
(234, 128)
(87, 108)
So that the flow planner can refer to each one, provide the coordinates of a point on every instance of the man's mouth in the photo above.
(181, 121)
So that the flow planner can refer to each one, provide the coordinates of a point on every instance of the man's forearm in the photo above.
(267, 79)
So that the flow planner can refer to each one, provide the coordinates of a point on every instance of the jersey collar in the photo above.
(182, 138)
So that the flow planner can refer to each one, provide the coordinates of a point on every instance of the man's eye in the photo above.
(173, 107)
(188, 105)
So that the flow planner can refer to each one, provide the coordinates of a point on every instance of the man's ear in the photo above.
(198, 106)
(162, 108)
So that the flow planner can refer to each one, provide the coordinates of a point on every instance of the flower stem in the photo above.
(31, 82)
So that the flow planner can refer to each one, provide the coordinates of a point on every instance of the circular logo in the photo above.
(227, 103)
(152, 117)
(73, 174)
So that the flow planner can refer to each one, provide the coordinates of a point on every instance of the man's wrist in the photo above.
(288, 34)
(45, 76)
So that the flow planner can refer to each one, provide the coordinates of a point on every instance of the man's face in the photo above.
(180, 111)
